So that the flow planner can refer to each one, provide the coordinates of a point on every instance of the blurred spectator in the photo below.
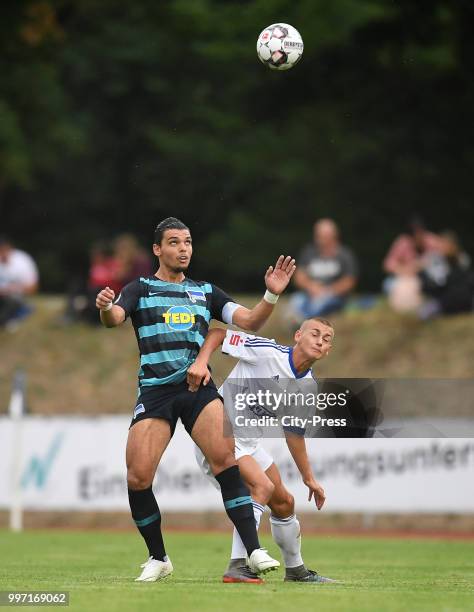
(18, 278)
(447, 279)
(104, 268)
(326, 273)
(132, 260)
(110, 266)
(406, 257)
(404, 293)
(103, 272)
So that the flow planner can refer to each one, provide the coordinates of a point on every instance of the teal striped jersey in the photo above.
(171, 321)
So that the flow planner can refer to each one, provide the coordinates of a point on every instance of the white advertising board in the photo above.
(79, 464)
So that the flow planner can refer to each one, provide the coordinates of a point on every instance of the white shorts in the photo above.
(242, 448)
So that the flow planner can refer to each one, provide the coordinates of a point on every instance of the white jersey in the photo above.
(262, 363)
(263, 366)
(260, 357)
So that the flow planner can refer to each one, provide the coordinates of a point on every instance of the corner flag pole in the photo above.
(16, 410)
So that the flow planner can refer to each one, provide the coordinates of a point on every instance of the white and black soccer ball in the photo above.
(280, 46)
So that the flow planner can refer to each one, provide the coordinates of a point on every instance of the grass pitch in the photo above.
(380, 575)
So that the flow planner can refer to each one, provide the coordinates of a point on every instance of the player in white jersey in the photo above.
(263, 361)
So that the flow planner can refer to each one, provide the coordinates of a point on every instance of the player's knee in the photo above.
(261, 490)
(137, 480)
(266, 489)
(289, 504)
(283, 506)
(221, 462)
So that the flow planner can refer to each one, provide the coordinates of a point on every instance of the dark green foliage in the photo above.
(114, 115)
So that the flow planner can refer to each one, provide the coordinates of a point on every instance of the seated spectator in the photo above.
(405, 259)
(110, 266)
(447, 280)
(103, 271)
(326, 273)
(18, 279)
(132, 260)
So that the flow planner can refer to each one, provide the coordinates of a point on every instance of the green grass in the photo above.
(380, 575)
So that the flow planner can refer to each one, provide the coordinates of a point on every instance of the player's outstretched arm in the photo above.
(199, 372)
(297, 447)
(276, 281)
(110, 314)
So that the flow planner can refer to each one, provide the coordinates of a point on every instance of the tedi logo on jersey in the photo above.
(179, 318)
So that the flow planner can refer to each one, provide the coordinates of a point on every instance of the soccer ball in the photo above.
(280, 46)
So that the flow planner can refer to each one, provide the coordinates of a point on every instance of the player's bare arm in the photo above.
(297, 447)
(199, 372)
(110, 314)
(276, 281)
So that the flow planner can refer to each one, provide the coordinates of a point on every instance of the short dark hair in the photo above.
(166, 224)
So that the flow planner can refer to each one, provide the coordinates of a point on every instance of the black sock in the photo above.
(238, 505)
(147, 517)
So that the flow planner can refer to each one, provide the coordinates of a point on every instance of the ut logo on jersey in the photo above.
(179, 318)
(235, 340)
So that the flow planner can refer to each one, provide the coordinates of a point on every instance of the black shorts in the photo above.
(171, 402)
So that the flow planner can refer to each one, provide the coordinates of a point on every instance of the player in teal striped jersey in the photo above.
(170, 314)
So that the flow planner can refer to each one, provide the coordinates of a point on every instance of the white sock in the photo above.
(286, 533)
(238, 549)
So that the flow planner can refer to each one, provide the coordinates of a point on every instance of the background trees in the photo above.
(116, 114)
